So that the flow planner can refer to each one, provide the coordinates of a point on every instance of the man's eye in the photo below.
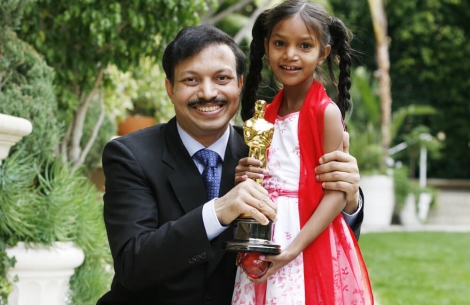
(223, 79)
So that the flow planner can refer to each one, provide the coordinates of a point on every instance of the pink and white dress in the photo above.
(286, 286)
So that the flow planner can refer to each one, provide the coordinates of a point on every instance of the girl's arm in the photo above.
(330, 206)
(333, 202)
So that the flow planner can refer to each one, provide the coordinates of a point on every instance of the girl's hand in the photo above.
(276, 263)
(249, 168)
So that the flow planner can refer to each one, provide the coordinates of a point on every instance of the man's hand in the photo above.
(249, 198)
(338, 171)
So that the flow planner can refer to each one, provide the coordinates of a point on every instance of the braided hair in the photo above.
(341, 53)
(253, 78)
(329, 31)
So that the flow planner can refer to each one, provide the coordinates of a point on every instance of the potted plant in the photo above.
(414, 199)
(376, 165)
(366, 147)
(144, 87)
(45, 205)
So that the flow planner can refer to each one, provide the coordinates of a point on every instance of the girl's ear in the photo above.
(326, 52)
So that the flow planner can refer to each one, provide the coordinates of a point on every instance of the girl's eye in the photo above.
(305, 46)
(279, 43)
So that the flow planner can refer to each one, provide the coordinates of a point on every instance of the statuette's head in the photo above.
(260, 107)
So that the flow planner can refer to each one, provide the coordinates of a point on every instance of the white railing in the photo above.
(423, 156)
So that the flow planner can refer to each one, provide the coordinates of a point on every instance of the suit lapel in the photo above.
(236, 149)
(190, 195)
(193, 194)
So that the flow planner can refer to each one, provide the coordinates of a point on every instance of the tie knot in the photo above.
(207, 157)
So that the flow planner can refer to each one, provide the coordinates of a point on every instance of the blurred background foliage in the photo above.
(429, 47)
(77, 68)
(81, 39)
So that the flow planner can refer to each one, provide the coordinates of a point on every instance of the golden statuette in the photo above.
(258, 134)
(250, 235)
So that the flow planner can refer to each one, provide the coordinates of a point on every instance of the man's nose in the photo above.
(208, 90)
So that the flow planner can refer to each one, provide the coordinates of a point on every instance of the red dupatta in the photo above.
(318, 267)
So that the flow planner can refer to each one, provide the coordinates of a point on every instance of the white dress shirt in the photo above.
(211, 223)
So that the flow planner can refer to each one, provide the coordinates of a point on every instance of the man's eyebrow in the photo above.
(224, 70)
(193, 72)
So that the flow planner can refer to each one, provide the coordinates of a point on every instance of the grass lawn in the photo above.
(418, 268)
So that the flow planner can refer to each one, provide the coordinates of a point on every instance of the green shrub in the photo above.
(28, 92)
(402, 186)
(42, 199)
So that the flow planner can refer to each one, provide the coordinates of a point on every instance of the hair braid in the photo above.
(341, 52)
(254, 77)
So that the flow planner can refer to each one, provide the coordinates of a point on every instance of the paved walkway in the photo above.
(417, 228)
(452, 207)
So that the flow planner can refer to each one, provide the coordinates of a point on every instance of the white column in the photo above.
(422, 166)
(12, 130)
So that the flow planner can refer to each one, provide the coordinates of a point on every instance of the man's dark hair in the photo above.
(192, 40)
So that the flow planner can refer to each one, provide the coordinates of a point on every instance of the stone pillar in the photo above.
(12, 130)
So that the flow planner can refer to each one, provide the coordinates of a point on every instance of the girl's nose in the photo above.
(290, 54)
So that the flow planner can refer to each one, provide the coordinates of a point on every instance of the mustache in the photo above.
(202, 102)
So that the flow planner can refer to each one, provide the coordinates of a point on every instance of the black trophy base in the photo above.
(264, 247)
(251, 236)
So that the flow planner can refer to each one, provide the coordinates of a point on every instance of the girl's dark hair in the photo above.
(328, 30)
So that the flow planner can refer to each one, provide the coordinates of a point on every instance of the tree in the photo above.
(42, 201)
(379, 21)
(428, 51)
(79, 39)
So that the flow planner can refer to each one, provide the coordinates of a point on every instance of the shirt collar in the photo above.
(192, 146)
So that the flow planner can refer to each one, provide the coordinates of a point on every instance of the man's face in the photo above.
(206, 93)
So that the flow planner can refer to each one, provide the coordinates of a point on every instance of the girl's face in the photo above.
(294, 52)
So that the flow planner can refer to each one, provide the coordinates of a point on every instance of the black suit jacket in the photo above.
(153, 216)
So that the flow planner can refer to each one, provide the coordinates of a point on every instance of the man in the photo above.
(164, 230)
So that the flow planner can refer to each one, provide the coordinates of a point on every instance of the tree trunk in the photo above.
(379, 20)
(70, 147)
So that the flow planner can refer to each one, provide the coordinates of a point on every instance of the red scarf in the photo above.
(317, 257)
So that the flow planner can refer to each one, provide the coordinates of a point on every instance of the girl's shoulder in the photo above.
(332, 113)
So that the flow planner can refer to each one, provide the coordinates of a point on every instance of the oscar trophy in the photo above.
(250, 235)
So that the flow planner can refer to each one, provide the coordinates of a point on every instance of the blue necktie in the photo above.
(210, 159)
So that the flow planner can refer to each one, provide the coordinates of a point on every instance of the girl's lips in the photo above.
(288, 68)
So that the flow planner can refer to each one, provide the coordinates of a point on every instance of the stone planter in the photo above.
(415, 213)
(409, 215)
(43, 273)
(12, 130)
(379, 199)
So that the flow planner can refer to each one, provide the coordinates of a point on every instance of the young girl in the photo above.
(320, 262)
